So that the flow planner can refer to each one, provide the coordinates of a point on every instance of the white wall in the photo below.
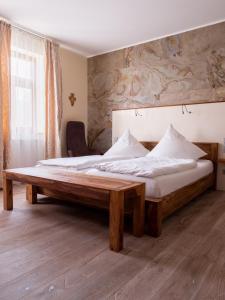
(74, 80)
(206, 123)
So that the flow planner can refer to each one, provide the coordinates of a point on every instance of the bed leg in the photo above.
(214, 186)
(154, 219)
(31, 193)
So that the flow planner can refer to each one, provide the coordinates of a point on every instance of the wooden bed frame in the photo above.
(157, 209)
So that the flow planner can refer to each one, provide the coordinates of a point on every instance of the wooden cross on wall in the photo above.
(72, 99)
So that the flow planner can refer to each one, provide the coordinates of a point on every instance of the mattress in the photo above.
(160, 186)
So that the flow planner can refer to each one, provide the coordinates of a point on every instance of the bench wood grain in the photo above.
(83, 186)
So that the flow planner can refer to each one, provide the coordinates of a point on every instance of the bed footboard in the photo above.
(160, 208)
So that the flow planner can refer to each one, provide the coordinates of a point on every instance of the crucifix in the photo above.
(72, 99)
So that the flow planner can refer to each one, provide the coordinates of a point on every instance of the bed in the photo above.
(165, 194)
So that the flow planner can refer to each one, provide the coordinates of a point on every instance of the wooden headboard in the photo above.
(210, 148)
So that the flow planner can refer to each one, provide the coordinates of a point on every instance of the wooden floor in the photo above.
(53, 251)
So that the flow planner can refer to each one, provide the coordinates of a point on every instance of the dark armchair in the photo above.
(75, 140)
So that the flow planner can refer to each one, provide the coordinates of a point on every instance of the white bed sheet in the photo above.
(163, 185)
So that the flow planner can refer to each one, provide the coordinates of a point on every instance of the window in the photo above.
(27, 93)
(27, 99)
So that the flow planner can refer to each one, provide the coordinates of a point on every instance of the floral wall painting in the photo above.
(181, 69)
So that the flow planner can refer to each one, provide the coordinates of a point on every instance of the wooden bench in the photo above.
(86, 186)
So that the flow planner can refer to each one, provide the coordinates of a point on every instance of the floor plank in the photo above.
(54, 251)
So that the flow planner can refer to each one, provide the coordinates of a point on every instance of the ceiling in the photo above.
(92, 27)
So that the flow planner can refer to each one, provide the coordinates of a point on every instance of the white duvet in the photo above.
(147, 166)
(80, 162)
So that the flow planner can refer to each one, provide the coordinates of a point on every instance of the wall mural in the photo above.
(184, 68)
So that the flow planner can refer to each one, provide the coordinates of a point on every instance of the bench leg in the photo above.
(154, 219)
(116, 220)
(7, 193)
(139, 211)
(31, 193)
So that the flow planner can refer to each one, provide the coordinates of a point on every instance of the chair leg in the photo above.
(154, 219)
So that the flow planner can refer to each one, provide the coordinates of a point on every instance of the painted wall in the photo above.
(74, 79)
(185, 68)
(200, 125)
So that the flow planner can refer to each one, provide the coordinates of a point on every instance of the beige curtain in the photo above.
(53, 90)
(5, 53)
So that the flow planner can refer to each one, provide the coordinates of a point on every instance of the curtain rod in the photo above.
(26, 29)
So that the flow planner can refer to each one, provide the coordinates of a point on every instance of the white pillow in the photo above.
(127, 146)
(174, 145)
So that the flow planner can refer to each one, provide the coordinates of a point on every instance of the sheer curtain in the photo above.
(27, 115)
